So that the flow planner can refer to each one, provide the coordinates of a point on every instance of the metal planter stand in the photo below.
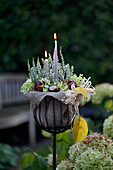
(54, 129)
(54, 151)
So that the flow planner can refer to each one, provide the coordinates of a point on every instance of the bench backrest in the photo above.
(10, 85)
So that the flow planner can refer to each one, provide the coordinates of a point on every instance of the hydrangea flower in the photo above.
(94, 152)
(108, 126)
(65, 165)
(93, 159)
(102, 91)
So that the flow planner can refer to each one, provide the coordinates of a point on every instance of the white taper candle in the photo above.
(55, 57)
(46, 65)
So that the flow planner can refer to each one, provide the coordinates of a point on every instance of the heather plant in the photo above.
(65, 71)
(38, 72)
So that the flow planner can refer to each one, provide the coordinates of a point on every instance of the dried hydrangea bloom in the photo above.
(97, 141)
(94, 152)
(93, 159)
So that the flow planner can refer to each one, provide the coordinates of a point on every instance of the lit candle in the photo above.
(55, 57)
(46, 65)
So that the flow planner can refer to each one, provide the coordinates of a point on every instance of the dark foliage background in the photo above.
(84, 29)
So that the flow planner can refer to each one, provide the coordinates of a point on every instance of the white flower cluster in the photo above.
(50, 159)
(65, 165)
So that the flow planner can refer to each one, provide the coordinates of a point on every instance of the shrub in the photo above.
(8, 156)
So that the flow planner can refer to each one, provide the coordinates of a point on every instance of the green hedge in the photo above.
(84, 29)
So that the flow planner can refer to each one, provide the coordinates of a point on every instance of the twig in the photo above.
(34, 153)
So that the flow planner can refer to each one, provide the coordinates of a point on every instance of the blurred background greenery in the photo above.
(84, 29)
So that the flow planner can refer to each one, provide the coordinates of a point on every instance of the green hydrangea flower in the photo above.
(102, 91)
(108, 126)
(109, 105)
(27, 86)
(94, 152)
(80, 80)
(93, 159)
(97, 141)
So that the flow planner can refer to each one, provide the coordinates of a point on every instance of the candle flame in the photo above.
(45, 54)
(55, 36)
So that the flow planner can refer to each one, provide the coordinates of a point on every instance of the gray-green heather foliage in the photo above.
(38, 72)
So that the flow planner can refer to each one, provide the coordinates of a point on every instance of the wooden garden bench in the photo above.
(14, 107)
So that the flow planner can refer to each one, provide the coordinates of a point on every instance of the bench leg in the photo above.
(32, 128)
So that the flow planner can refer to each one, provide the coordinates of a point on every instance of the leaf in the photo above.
(27, 160)
(64, 140)
(80, 129)
(65, 136)
(8, 156)
(46, 134)
(40, 163)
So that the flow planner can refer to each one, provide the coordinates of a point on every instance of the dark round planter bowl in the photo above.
(53, 116)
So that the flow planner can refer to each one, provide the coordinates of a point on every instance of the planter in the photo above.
(50, 113)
